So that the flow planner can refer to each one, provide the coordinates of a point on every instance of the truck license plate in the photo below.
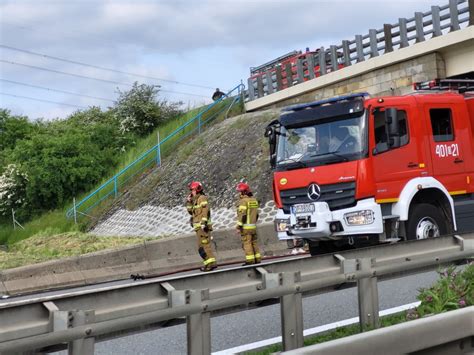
(303, 208)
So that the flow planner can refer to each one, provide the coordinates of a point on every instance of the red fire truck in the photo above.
(353, 169)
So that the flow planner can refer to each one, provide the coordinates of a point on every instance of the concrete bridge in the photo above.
(436, 44)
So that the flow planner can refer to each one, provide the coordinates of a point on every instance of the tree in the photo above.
(12, 129)
(139, 110)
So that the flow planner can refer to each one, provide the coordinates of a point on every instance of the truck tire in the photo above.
(425, 221)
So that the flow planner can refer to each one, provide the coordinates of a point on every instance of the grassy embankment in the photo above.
(54, 223)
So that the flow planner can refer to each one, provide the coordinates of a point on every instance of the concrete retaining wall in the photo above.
(166, 255)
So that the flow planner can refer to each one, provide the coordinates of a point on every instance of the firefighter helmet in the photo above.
(195, 185)
(243, 187)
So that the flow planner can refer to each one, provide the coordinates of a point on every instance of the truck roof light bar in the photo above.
(332, 100)
(460, 85)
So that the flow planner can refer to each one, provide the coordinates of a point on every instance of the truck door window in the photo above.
(380, 130)
(441, 124)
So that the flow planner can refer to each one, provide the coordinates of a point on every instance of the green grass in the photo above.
(54, 222)
(49, 245)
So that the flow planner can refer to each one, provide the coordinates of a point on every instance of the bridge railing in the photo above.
(153, 156)
(406, 32)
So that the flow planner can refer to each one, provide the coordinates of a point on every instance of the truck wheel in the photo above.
(425, 221)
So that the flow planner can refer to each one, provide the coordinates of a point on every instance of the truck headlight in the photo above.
(282, 225)
(359, 217)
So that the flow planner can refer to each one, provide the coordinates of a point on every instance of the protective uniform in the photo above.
(247, 216)
(199, 210)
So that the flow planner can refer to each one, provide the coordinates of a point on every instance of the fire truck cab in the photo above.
(353, 169)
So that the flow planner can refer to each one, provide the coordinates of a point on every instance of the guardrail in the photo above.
(111, 188)
(407, 32)
(82, 317)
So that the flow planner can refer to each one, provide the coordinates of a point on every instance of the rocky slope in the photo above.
(225, 153)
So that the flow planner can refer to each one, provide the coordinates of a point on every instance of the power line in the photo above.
(65, 73)
(35, 99)
(90, 77)
(56, 90)
(100, 67)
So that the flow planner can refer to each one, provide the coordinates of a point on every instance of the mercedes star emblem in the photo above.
(314, 192)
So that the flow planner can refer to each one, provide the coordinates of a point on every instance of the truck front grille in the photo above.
(337, 196)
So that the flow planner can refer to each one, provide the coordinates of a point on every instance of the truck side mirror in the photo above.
(393, 128)
(271, 134)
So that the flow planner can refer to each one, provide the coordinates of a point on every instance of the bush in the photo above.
(453, 290)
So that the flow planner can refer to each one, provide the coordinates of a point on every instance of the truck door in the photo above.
(447, 134)
(394, 167)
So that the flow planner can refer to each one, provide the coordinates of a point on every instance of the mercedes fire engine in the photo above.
(353, 169)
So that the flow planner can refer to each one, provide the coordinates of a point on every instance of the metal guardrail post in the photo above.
(158, 149)
(359, 48)
(115, 187)
(347, 52)
(334, 64)
(291, 314)
(420, 35)
(199, 124)
(260, 92)
(454, 15)
(289, 75)
(198, 325)
(374, 52)
(322, 61)
(436, 21)
(402, 25)
(387, 32)
(268, 77)
(83, 346)
(299, 71)
(471, 12)
(310, 61)
(368, 297)
(251, 89)
(279, 78)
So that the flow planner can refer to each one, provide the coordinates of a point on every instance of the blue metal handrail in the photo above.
(113, 182)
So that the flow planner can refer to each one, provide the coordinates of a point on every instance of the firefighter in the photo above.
(198, 207)
(247, 216)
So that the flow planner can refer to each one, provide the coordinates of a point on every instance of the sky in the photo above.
(53, 54)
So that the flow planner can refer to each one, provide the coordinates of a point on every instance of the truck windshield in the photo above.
(323, 142)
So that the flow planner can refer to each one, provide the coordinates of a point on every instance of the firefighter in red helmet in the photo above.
(198, 207)
(247, 216)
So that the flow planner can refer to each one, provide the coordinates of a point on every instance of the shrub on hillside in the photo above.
(139, 110)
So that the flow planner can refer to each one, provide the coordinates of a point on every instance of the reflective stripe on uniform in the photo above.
(204, 219)
(249, 257)
(250, 226)
(242, 208)
(208, 261)
(252, 204)
(203, 204)
(258, 256)
(240, 224)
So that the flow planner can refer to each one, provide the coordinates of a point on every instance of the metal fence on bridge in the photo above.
(82, 317)
(407, 32)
